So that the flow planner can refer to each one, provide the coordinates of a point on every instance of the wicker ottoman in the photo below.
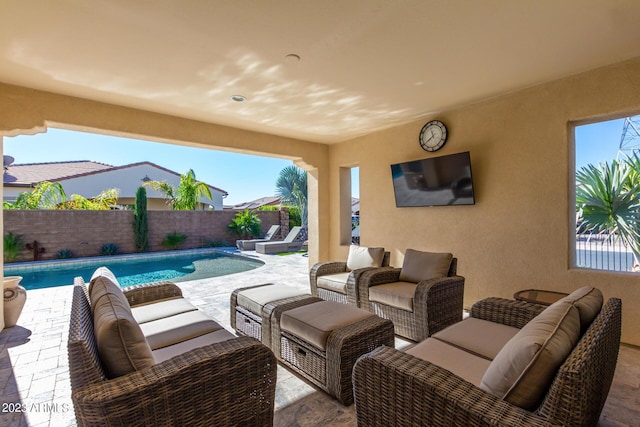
(252, 308)
(322, 341)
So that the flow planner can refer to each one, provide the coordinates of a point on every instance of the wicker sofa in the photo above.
(338, 280)
(169, 364)
(421, 298)
(443, 383)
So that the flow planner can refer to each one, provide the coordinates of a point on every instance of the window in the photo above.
(607, 195)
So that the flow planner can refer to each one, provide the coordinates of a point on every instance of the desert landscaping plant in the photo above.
(109, 249)
(13, 245)
(245, 225)
(291, 186)
(65, 254)
(140, 226)
(608, 200)
(174, 240)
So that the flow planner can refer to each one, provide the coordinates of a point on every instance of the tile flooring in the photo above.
(34, 378)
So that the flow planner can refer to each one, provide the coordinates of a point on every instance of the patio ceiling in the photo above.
(363, 65)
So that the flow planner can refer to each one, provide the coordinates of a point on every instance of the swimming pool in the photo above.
(134, 269)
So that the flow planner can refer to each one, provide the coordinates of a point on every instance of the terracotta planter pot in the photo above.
(14, 298)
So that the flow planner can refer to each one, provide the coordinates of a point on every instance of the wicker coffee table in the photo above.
(321, 342)
(253, 306)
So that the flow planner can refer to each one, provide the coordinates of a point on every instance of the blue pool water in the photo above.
(133, 270)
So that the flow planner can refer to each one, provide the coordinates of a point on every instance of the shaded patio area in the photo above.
(34, 375)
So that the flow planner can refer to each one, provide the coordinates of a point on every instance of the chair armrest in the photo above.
(506, 311)
(226, 383)
(438, 303)
(151, 292)
(392, 388)
(322, 269)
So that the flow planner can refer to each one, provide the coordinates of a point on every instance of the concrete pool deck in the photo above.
(34, 374)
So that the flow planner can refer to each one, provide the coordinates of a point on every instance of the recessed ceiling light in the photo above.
(238, 98)
(292, 58)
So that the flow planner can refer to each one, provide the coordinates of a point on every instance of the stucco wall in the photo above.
(517, 236)
(84, 232)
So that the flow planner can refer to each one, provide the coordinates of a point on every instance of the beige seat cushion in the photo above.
(418, 266)
(121, 344)
(159, 310)
(314, 322)
(396, 294)
(181, 327)
(457, 361)
(523, 370)
(334, 282)
(588, 300)
(477, 336)
(165, 353)
(363, 257)
(254, 299)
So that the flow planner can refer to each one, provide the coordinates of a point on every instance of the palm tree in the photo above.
(608, 200)
(245, 225)
(102, 202)
(185, 197)
(45, 195)
(291, 186)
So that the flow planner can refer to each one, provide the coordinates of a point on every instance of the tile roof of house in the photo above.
(255, 204)
(29, 174)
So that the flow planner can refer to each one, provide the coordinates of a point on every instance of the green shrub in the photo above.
(245, 225)
(140, 226)
(109, 249)
(65, 254)
(174, 240)
(13, 245)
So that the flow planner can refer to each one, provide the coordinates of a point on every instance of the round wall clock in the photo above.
(433, 135)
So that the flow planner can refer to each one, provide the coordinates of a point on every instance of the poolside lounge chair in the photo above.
(250, 245)
(288, 244)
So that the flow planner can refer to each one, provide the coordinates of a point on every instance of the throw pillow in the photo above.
(121, 344)
(362, 257)
(418, 266)
(523, 370)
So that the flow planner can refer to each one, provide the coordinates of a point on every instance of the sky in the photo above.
(245, 177)
(599, 142)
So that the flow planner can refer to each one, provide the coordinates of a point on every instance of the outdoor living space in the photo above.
(338, 87)
(34, 366)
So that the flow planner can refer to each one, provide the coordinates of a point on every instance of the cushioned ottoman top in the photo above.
(255, 298)
(315, 322)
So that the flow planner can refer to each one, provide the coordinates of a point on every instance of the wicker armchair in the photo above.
(228, 383)
(437, 303)
(339, 268)
(395, 388)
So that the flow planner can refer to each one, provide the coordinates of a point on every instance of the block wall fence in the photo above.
(84, 232)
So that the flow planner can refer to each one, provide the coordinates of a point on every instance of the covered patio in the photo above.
(333, 87)
(34, 372)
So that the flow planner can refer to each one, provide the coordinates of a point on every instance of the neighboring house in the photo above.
(88, 179)
(256, 204)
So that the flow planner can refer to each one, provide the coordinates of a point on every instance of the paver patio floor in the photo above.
(34, 377)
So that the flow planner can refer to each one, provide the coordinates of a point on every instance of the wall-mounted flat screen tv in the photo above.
(436, 181)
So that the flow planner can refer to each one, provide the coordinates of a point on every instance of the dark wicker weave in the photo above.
(334, 267)
(394, 388)
(231, 383)
(331, 369)
(258, 325)
(437, 303)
